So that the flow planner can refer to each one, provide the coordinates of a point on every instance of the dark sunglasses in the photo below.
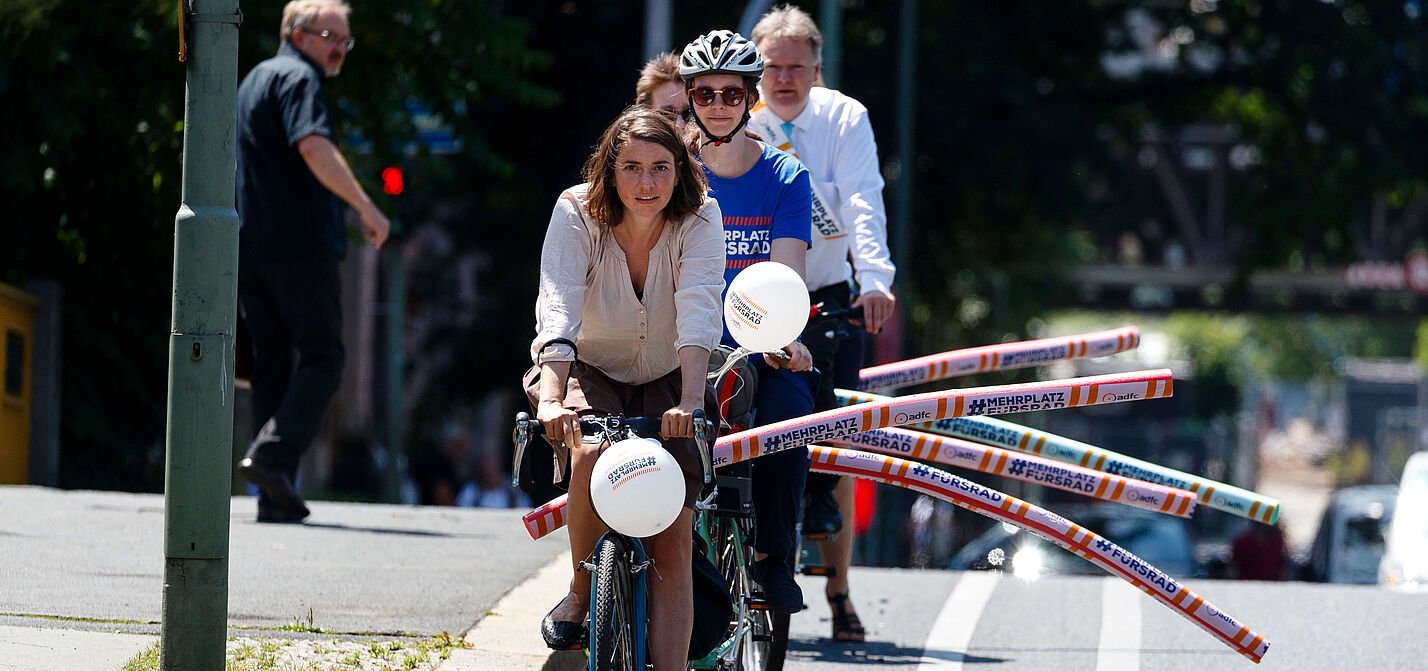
(703, 96)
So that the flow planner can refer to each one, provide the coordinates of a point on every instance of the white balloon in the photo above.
(637, 487)
(766, 306)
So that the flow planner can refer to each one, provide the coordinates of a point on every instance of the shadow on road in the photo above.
(874, 652)
(381, 530)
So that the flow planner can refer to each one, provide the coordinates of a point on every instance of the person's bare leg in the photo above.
(585, 529)
(837, 554)
(671, 593)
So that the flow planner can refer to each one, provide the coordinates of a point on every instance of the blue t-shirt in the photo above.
(772, 200)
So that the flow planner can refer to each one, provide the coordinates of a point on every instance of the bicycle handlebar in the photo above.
(817, 313)
(649, 427)
(839, 320)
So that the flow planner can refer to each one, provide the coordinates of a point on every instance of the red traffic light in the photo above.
(392, 181)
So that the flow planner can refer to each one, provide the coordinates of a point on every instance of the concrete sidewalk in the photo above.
(82, 582)
(509, 636)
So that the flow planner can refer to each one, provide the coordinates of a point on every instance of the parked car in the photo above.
(1405, 554)
(1349, 543)
(1161, 540)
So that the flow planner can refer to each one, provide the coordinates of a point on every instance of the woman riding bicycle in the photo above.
(765, 198)
(628, 311)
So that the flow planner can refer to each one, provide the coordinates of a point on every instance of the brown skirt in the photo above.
(590, 392)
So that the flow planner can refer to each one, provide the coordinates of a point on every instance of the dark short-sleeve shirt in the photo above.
(284, 213)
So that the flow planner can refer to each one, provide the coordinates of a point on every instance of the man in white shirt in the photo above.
(849, 259)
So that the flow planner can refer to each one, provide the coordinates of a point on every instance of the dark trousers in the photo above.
(839, 359)
(778, 478)
(294, 316)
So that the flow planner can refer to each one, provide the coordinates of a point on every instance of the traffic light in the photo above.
(392, 180)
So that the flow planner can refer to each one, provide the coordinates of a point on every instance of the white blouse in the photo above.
(586, 294)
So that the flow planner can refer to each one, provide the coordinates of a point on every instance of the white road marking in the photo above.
(1119, 649)
(952, 630)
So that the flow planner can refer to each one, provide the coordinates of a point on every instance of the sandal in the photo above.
(847, 628)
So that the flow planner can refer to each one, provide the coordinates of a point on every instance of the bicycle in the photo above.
(724, 521)
(618, 566)
(758, 636)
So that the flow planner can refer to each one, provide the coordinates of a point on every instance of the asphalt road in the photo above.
(1093, 623)
(96, 560)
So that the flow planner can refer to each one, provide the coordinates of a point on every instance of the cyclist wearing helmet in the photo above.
(764, 196)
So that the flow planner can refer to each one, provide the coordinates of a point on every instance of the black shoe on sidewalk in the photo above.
(781, 591)
(276, 485)
(562, 635)
(271, 514)
(821, 517)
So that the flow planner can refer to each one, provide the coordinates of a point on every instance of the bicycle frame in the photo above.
(630, 561)
(721, 521)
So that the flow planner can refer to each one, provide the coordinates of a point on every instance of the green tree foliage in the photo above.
(92, 106)
(1334, 96)
(1024, 162)
(89, 161)
(1008, 98)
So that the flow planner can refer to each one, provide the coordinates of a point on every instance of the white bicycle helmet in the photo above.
(721, 52)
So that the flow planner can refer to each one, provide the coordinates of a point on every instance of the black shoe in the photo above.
(781, 591)
(820, 514)
(268, 513)
(562, 635)
(276, 485)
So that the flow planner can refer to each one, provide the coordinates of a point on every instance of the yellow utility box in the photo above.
(17, 344)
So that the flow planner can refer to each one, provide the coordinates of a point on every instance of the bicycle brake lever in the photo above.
(520, 436)
(701, 441)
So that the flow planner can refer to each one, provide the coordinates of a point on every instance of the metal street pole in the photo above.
(906, 104)
(201, 350)
(830, 23)
(659, 16)
(394, 288)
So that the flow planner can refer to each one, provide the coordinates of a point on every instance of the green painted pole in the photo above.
(199, 432)
(830, 23)
(906, 104)
(396, 292)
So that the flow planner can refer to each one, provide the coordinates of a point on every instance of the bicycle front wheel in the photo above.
(615, 636)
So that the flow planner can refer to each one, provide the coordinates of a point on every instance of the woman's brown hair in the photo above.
(650, 125)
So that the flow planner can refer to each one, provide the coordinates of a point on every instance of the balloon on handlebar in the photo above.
(766, 306)
(637, 487)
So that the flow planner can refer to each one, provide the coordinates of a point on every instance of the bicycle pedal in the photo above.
(756, 604)
(824, 571)
(820, 538)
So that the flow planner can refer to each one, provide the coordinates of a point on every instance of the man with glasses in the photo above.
(830, 133)
(290, 239)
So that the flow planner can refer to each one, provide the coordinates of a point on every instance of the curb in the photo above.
(508, 635)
